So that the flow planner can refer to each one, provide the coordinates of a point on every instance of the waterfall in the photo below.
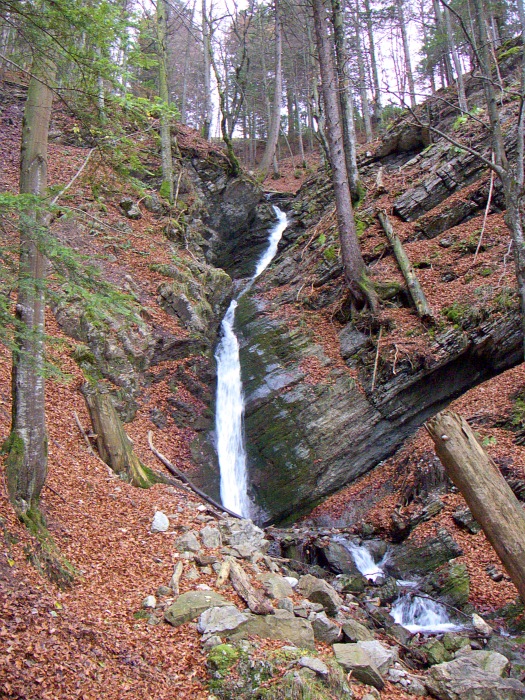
(231, 448)
(415, 613)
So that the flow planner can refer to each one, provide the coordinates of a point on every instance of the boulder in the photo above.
(453, 583)
(490, 661)
(160, 522)
(187, 542)
(130, 209)
(339, 558)
(319, 591)
(353, 583)
(382, 656)
(275, 586)
(464, 518)
(356, 632)
(436, 652)
(481, 626)
(237, 532)
(462, 679)
(189, 606)
(292, 630)
(221, 619)
(355, 659)
(325, 630)
(211, 537)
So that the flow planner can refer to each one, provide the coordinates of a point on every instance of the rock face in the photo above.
(463, 679)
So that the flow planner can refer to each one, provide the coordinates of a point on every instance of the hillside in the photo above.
(333, 415)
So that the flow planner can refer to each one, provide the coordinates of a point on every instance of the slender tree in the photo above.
(165, 128)
(353, 263)
(275, 123)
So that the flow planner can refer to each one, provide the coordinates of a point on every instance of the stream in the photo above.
(415, 613)
(231, 448)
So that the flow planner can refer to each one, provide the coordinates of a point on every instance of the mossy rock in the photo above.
(222, 657)
(453, 583)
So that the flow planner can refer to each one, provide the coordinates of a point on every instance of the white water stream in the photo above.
(229, 414)
(415, 613)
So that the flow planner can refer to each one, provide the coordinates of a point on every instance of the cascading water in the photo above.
(413, 612)
(231, 449)
(418, 614)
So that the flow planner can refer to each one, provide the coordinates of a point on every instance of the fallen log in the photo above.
(489, 497)
(114, 446)
(253, 598)
(416, 292)
(182, 476)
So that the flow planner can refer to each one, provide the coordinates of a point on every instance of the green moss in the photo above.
(222, 657)
(165, 190)
(514, 51)
(456, 312)
(330, 253)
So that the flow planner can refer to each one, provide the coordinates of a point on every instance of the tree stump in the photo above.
(114, 446)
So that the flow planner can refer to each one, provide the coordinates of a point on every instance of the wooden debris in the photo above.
(416, 292)
(175, 579)
(253, 598)
(224, 573)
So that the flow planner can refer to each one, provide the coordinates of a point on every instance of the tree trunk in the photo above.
(206, 127)
(253, 598)
(114, 446)
(362, 78)
(486, 492)
(462, 98)
(406, 52)
(299, 131)
(184, 97)
(353, 263)
(373, 61)
(346, 101)
(275, 124)
(416, 292)
(165, 129)
(27, 443)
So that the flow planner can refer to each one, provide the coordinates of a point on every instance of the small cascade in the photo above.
(418, 614)
(231, 448)
(364, 561)
(413, 612)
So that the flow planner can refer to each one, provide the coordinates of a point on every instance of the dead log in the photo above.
(253, 598)
(489, 497)
(182, 476)
(175, 579)
(114, 446)
(416, 292)
(224, 573)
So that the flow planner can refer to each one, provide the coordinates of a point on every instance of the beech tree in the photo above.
(275, 122)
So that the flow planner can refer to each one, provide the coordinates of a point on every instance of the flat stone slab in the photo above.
(353, 658)
(293, 630)
(490, 661)
(189, 606)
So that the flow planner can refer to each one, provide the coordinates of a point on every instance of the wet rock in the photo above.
(427, 556)
(356, 632)
(292, 630)
(221, 619)
(325, 630)
(353, 584)
(453, 583)
(188, 542)
(454, 642)
(160, 522)
(339, 558)
(388, 591)
(130, 209)
(481, 626)
(352, 341)
(464, 518)
(462, 679)
(435, 652)
(275, 586)
(400, 633)
(189, 606)
(319, 591)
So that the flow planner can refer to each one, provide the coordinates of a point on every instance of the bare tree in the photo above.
(275, 123)
(354, 267)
